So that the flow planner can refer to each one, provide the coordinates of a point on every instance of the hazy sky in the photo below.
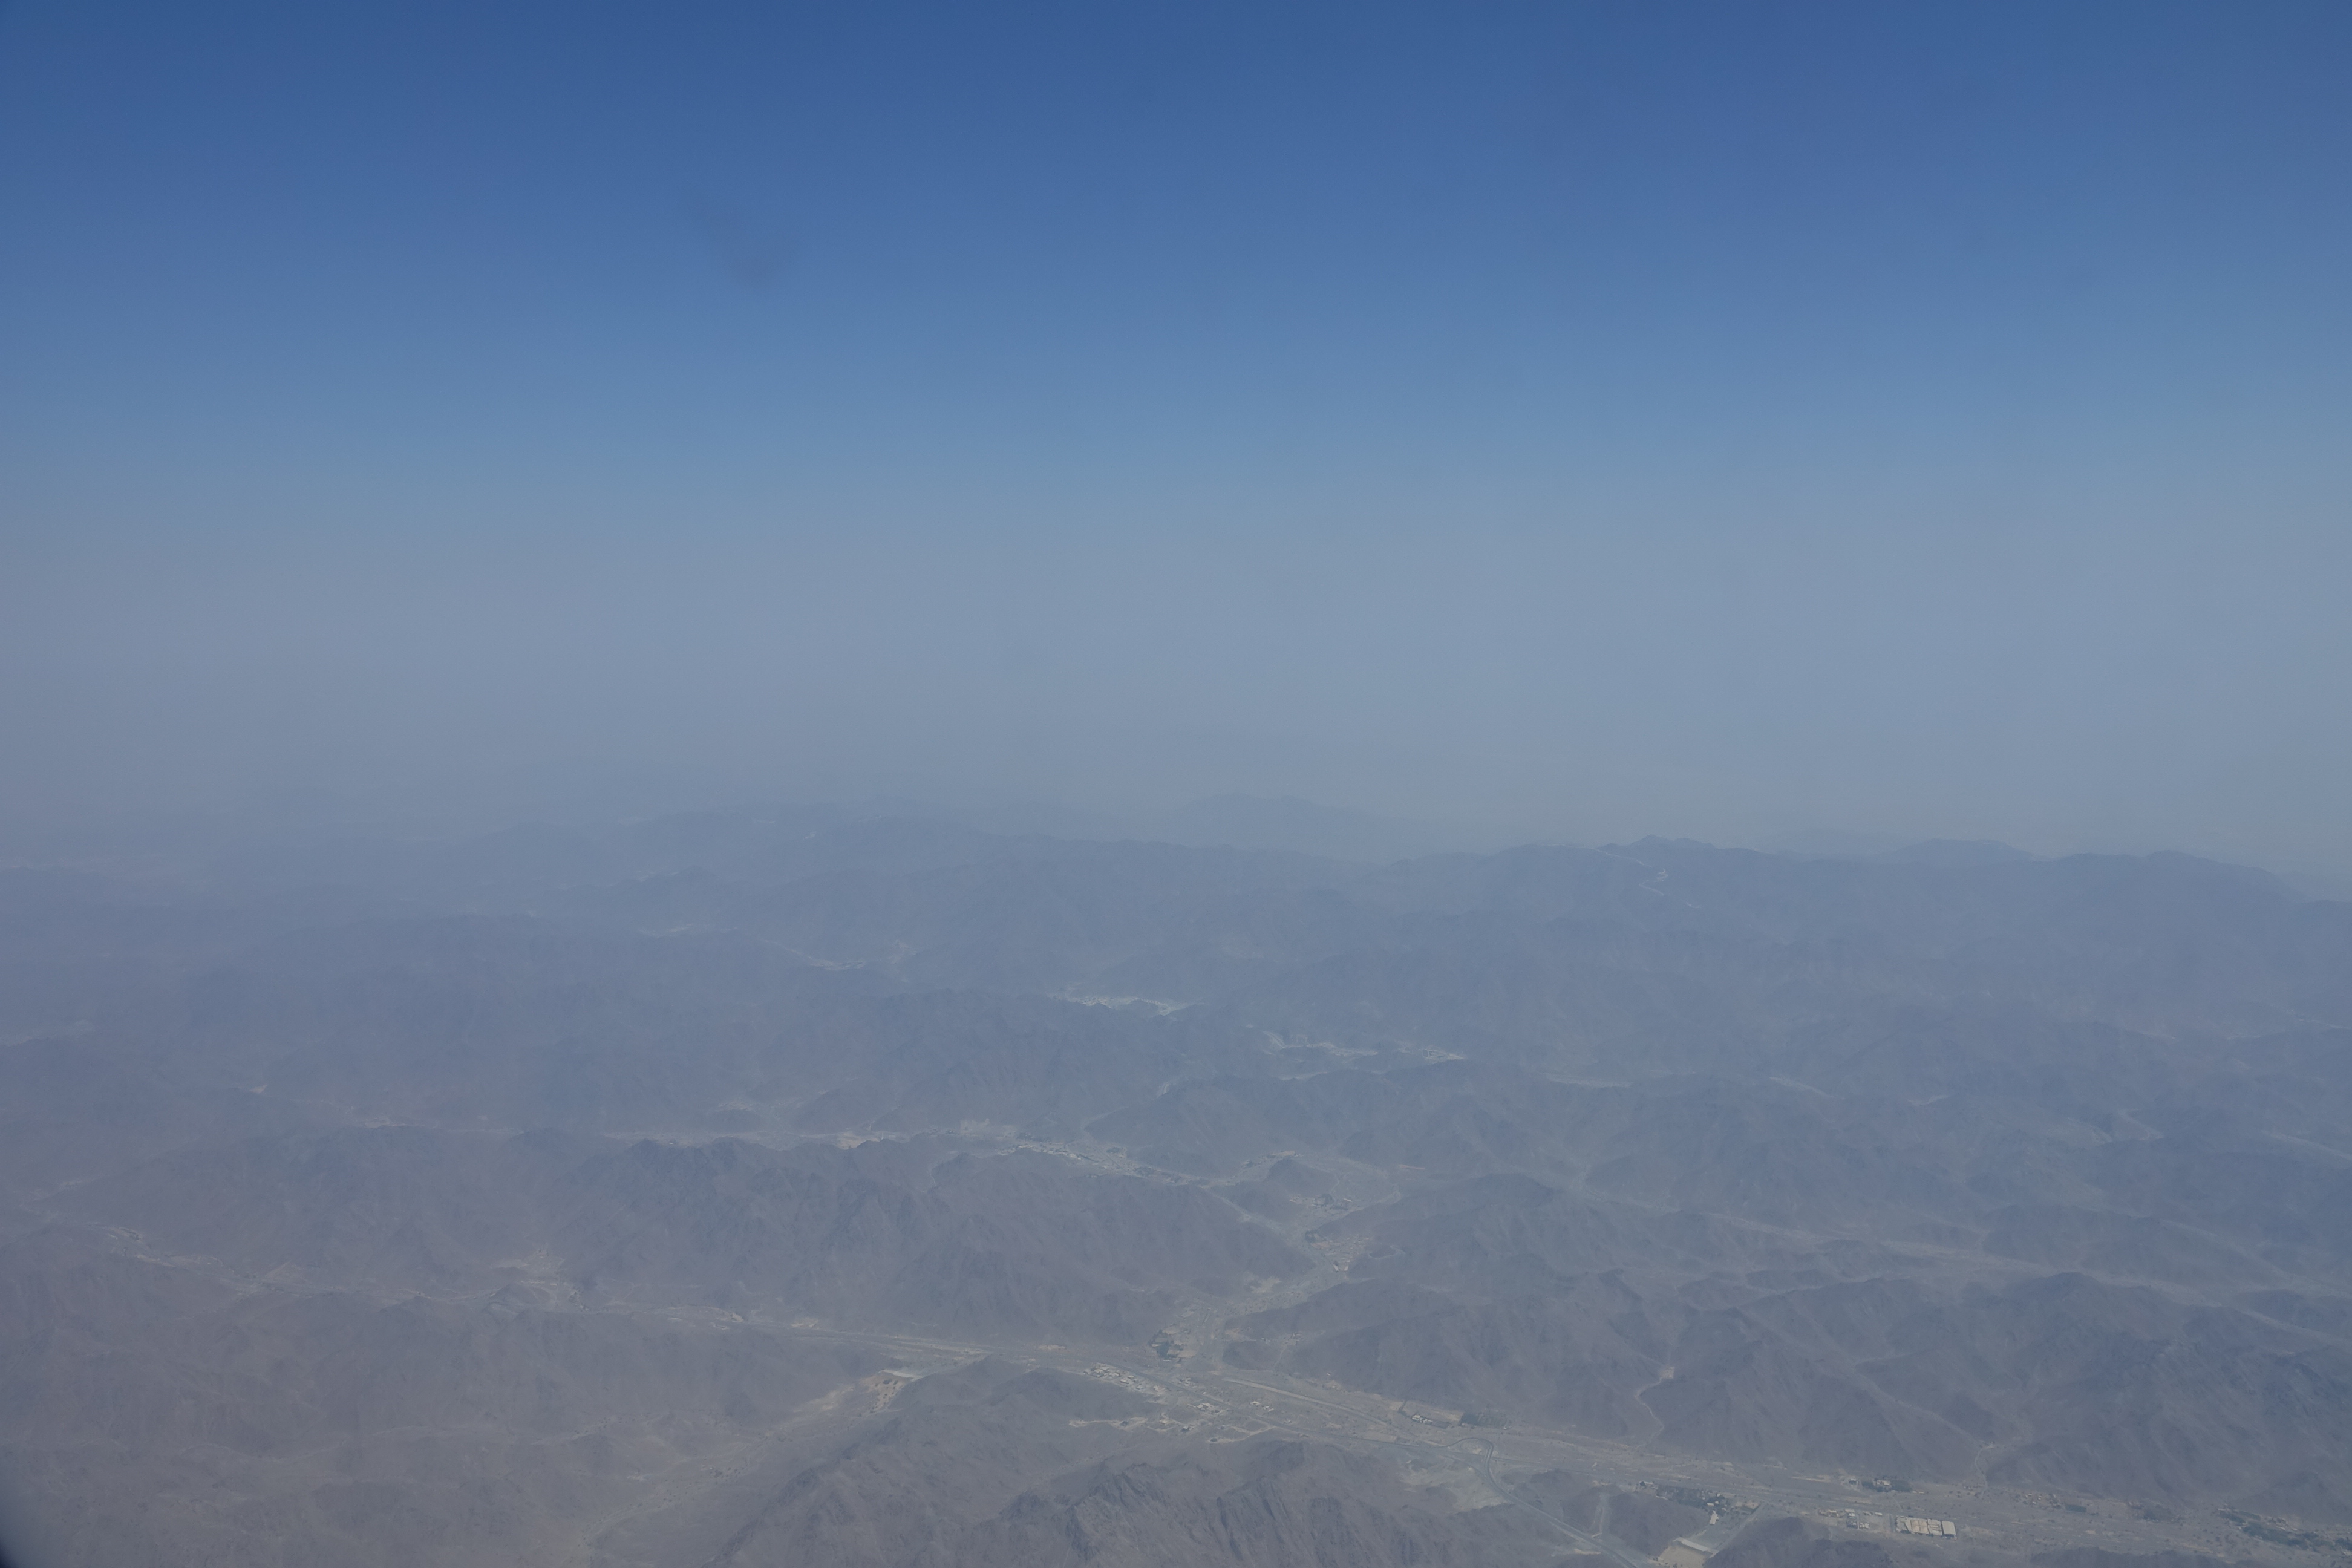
(1591, 418)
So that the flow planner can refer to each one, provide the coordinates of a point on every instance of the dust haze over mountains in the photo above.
(1496, 686)
(918, 785)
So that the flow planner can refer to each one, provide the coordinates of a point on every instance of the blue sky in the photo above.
(1589, 419)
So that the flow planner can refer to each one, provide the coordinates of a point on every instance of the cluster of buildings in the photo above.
(1902, 1524)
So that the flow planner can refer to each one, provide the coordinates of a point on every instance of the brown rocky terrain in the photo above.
(823, 1186)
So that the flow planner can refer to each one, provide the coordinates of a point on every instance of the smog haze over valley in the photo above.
(1311, 786)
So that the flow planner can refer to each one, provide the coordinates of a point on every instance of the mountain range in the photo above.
(819, 1184)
